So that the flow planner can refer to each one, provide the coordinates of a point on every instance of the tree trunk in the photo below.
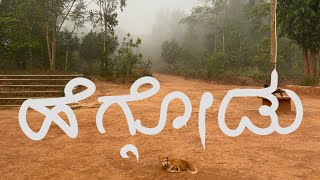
(305, 62)
(318, 64)
(215, 42)
(312, 65)
(105, 55)
(66, 62)
(240, 50)
(28, 65)
(223, 42)
(273, 45)
(223, 30)
(48, 44)
(53, 52)
(104, 50)
(215, 36)
(28, 61)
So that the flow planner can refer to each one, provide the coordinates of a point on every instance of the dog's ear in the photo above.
(167, 158)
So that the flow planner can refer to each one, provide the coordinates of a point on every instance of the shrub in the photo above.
(308, 81)
(216, 64)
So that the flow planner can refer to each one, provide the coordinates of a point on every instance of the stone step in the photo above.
(18, 101)
(15, 89)
(15, 101)
(73, 106)
(40, 76)
(34, 81)
(41, 87)
(7, 94)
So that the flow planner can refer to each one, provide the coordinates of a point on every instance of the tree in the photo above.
(21, 22)
(273, 32)
(106, 18)
(33, 29)
(300, 21)
(127, 60)
(92, 47)
(70, 44)
(171, 52)
(57, 12)
(216, 64)
(29, 14)
(213, 13)
(240, 30)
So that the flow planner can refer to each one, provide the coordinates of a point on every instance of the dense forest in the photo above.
(230, 38)
(34, 37)
(218, 39)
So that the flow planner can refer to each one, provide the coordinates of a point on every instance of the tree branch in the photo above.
(66, 15)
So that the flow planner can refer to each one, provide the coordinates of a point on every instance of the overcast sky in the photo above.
(138, 16)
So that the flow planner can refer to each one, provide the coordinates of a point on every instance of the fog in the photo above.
(196, 38)
(139, 15)
(154, 21)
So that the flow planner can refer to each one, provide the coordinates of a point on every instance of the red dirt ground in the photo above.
(92, 155)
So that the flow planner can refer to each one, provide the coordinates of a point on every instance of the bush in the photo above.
(129, 64)
(255, 73)
(308, 81)
(216, 64)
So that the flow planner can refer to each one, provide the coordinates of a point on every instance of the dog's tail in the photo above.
(193, 172)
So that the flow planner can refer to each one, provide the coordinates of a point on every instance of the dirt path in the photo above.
(97, 156)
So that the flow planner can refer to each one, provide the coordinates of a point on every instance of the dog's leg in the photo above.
(173, 169)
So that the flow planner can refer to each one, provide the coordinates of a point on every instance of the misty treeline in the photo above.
(41, 35)
(231, 38)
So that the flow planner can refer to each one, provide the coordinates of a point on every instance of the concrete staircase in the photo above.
(15, 89)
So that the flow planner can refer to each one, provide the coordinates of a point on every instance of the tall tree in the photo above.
(106, 19)
(70, 43)
(300, 21)
(273, 30)
(21, 27)
(91, 49)
(58, 11)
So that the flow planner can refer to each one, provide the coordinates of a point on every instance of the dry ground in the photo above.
(97, 156)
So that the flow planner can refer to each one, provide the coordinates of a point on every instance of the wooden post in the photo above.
(273, 30)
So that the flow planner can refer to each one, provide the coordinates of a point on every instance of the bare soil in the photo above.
(92, 155)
